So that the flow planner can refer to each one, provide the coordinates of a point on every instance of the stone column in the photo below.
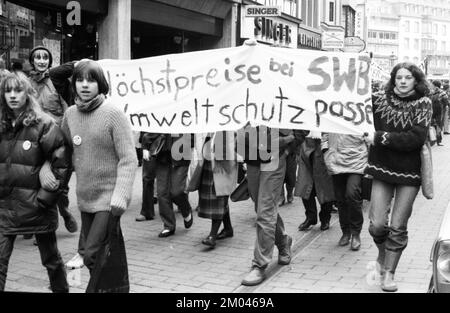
(114, 31)
(229, 28)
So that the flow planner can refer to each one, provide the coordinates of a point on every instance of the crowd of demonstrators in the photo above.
(346, 159)
(28, 138)
(40, 128)
(313, 181)
(395, 163)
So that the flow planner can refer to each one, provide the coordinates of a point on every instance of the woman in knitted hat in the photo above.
(52, 87)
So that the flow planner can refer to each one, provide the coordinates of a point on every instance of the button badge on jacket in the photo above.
(26, 145)
(76, 140)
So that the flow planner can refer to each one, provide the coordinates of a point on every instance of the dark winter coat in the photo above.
(312, 171)
(165, 156)
(25, 207)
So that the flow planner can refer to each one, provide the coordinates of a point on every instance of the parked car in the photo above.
(440, 258)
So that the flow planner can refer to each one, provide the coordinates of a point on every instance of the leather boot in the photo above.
(391, 260)
(355, 243)
(387, 282)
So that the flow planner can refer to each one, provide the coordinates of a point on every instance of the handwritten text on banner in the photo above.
(223, 89)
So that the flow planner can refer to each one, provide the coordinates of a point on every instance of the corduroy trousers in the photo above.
(265, 189)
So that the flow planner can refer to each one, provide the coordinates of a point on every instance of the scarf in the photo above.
(400, 95)
(91, 105)
(39, 76)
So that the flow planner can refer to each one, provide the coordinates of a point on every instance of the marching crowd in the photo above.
(58, 120)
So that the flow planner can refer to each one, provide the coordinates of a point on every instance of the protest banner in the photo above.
(378, 74)
(224, 89)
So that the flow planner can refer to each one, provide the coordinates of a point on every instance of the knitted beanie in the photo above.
(50, 57)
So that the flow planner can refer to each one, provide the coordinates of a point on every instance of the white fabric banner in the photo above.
(224, 89)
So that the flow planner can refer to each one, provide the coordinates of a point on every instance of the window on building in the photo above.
(416, 27)
(309, 13)
(416, 44)
(444, 30)
(406, 43)
(407, 26)
(290, 7)
(331, 13)
(435, 29)
(443, 46)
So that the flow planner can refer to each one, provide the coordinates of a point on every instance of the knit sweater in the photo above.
(401, 126)
(104, 157)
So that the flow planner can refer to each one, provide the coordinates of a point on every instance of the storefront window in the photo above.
(28, 27)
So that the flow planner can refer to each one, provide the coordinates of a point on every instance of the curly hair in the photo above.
(422, 86)
(32, 109)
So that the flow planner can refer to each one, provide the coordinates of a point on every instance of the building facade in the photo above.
(129, 29)
(406, 30)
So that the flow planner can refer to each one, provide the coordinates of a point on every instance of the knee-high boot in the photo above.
(381, 257)
(390, 264)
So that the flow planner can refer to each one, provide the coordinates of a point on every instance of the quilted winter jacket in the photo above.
(25, 207)
(346, 154)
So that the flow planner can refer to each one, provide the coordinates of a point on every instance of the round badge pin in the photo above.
(26, 145)
(77, 140)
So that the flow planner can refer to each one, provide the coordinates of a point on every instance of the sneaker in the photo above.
(75, 262)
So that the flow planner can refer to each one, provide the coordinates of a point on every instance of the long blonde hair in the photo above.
(32, 109)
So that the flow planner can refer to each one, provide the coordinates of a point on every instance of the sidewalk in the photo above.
(180, 263)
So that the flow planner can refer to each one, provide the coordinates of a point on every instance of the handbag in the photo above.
(366, 187)
(110, 272)
(157, 145)
(432, 136)
(240, 193)
(426, 171)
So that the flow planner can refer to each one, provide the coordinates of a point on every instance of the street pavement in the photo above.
(181, 263)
